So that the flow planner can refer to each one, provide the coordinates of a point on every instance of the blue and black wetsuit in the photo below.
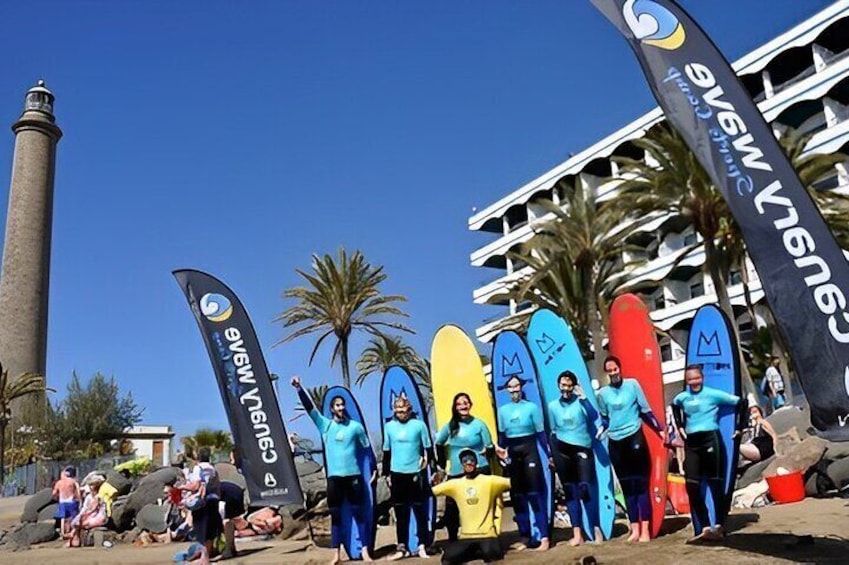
(573, 455)
(342, 443)
(470, 433)
(520, 427)
(623, 408)
(698, 414)
(404, 446)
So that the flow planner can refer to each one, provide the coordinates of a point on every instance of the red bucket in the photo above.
(786, 488)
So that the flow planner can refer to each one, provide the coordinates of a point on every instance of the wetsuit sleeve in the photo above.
(500, 484)
(742, 414)
(318, 419)
(536, 418)
(650, 419)
(641, 398)
(602, 411)
(440, 455)
(724, 398)
(592, 424)
(442, 435)
(678, 414)
(362, 438)
(387, 463)
(443, 488)
(485, 435)
(431, 457)
(426, 444)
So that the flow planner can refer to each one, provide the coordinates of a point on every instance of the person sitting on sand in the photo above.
(67, 492)
(476, 496)
(92, 514)
(266, 521)
(761, 444)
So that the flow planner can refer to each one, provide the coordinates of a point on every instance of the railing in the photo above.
(31, 478)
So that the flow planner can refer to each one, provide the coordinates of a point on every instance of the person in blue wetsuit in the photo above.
(343, 439)
(696, 411)
(520, 427)
(623, 408)
(573, 431)
(464, 431)
(406, 453)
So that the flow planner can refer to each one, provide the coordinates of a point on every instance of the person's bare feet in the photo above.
(576, 541)
(336, 559)
(645, 538)
(422, 553)
(543, 545)
(366, 557)
(518, 546)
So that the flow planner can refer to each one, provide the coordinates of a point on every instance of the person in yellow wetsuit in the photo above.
(475, 495)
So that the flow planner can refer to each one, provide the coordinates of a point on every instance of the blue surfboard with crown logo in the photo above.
(711, 344)
(511, 358)
(397, 382)
(555, 350)
(367, 463)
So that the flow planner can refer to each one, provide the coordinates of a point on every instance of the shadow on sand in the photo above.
(798, 548)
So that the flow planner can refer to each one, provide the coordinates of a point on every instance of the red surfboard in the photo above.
(633, 341)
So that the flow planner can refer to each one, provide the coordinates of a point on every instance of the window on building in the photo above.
(666, 351)
(690, 239)
(659, 301)
(697, 288)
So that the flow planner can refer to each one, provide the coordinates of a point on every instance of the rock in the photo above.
(291, 525)
(754, 473)
(838, 472)
(122, 516)
(152, 518)
(30, 534)
(230, 474)
(787, 441)
(36, 504)
(307, 467)
(48, 512)
(784, 419)
(150, 489)
(837, 450)
(798, 457)
(117, 480)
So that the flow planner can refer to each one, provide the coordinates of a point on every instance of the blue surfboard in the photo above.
(511, 358)
(555, 350)
(711, 344)
(398, 382)
(368, 464)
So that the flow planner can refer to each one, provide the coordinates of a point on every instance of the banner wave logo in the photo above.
(653, 24)
(215, 307)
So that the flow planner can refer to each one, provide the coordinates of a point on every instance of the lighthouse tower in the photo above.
(25, 276)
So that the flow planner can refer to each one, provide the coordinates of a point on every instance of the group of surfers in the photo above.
(472, 491)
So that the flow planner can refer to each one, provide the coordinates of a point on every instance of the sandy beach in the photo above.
(806, 532)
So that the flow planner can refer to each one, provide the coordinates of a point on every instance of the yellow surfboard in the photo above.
(456, 367)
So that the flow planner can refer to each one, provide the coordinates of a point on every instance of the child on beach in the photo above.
(67, 492)
(92, 514)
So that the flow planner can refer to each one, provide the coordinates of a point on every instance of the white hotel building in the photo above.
(799, 79)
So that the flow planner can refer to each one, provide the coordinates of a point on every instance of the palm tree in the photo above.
(384, 351)
(576, 260)
(215, 440)
(679, 185)
(342, 295)
(25, 385)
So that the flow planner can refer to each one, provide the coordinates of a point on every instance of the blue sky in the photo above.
(240, 138)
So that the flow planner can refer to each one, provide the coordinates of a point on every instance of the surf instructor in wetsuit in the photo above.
(696, 411)
(623, 408)
(520, 427)
(343, 438)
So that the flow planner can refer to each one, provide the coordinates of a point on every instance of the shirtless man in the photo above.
(67, 492)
